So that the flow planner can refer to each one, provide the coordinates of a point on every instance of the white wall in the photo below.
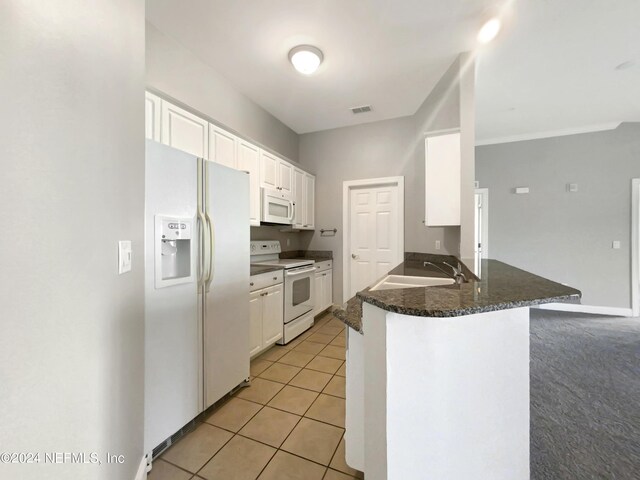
(176, 72)
(72, 159)
(560, 235)
(391, 148)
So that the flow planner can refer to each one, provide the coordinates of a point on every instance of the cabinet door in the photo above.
(442, 179)
(184, 131)
(222, 147)
(152, 116)
(255, 322)
(309, 194)
(327, 289)
(249, 161)
(319, 293)
(268, 170)
(285, 176)
(273, 315)
(298, 198)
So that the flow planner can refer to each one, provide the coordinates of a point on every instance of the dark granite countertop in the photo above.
(499, 287)
(258, 269)
(317, 255)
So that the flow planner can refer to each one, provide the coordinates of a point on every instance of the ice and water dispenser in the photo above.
(173, 251)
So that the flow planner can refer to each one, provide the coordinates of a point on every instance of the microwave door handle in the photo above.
(300, 272)
(291, 208)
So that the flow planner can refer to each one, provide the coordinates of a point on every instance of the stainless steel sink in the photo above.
(402, 281)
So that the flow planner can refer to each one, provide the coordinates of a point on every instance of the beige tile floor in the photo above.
(288, 425)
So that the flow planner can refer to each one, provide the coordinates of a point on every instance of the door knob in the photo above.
(354, 256)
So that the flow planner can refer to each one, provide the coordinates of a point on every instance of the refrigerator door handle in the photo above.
(201, 246)
(202, 225)
(211, 250)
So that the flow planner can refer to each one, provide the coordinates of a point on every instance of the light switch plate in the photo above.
(437, 244)
(521, 190)
(615, 244)
(124, 256)
(572, 187)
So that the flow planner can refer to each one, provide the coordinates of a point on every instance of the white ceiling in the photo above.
(553, 70)
(385, 53)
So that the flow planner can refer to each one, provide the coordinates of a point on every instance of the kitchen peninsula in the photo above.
(438, 376)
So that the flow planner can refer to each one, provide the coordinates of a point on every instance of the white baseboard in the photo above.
(594, 309)
(141, 474)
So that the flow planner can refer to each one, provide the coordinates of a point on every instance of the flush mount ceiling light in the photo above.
(305, 58)
(489, 30)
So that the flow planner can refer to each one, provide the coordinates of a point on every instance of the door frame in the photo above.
(347, 186)
(635, 247)
(485, 220)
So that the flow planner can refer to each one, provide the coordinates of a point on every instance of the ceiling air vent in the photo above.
(362, 109)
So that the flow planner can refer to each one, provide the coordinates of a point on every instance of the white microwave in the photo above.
(277, 207)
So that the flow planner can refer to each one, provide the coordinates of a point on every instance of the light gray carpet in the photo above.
(585, 396)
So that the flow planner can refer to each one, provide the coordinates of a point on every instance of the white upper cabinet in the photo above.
(442, 180)
(178, 128)
(222, 147)
(298, 198)
(285, 176)
(152, 116)
(268, 170)
(184, 131)
(276, 173)
(249, 161)
(309, 201)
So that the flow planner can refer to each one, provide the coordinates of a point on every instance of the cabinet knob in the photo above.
(251, 284)
(275, 278)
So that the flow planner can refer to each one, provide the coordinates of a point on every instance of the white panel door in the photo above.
(222, 147)
(184, 131)
(285, 176)
(249, 161)
(255, 322)
(299, 198)
(309, 201)
(273, 315)
(373, 235)
(268, 170)
(152, 116)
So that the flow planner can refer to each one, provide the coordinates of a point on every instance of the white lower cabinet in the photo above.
(324, 286)
(266, 318)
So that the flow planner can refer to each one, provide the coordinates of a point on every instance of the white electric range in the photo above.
(299, 286)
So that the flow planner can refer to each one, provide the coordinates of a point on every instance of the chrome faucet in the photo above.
(457, 275)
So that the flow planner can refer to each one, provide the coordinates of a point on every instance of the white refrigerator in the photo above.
(196, 287)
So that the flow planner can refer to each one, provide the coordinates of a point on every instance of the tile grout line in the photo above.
(262, 406)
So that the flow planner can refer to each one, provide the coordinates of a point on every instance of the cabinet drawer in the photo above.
(324, 265)
(263, 280)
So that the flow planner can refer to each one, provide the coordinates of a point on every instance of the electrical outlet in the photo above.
(437, 244)
(288, 242)
(615, 244)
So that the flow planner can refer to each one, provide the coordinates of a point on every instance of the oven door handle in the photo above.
(299, 272)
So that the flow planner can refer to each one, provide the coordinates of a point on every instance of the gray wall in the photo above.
(288, 240)
(72, 160)
(175, 71)
(566, 236)
(383, 149)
